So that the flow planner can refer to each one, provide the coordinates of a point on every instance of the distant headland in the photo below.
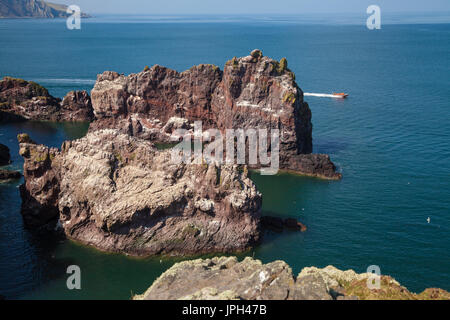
(33, 9)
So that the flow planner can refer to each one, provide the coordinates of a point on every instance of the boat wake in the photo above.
(65, 81)
(326, 95)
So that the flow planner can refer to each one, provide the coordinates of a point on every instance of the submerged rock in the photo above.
(251, 92)
(313, 165)
(278, 224)
(27, 100)
(226, 278)
(118, 193)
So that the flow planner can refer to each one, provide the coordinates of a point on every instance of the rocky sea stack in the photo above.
(118, 193)
(250, 93)
(226, 278)
(253, 92)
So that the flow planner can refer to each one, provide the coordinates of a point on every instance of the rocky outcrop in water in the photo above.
(278, 224)
(27, 100)
(5, 157)
(32, 9)
(118, 193)
(7, 175)
(226, 278)
(252, 92)
(76, 106)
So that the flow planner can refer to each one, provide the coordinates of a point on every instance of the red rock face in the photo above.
(252, 92)
(27, 100)
(76, 106)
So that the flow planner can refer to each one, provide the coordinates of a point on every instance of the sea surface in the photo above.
(390, 139)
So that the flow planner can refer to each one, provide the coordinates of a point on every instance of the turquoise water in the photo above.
(390, 139)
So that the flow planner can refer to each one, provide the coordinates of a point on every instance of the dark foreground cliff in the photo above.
(226, 278)
(118, 193)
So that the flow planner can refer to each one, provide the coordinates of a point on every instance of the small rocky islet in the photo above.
(22, 100)
(114, 190)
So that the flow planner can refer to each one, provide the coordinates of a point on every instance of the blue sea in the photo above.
(390, 139)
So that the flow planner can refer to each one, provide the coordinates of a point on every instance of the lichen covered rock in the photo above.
(226, 278)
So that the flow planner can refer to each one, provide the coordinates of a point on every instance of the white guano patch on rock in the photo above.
(205, 205)
(263, 276)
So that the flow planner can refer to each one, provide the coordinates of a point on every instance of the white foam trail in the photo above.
(65, 81)
(323, 95)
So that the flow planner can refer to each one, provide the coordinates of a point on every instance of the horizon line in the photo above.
(265, 14)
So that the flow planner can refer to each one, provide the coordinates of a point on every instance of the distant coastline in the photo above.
(33, 9)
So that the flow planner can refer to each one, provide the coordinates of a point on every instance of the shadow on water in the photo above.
(75, 130)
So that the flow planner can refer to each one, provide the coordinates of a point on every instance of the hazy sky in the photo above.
(251, 6)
